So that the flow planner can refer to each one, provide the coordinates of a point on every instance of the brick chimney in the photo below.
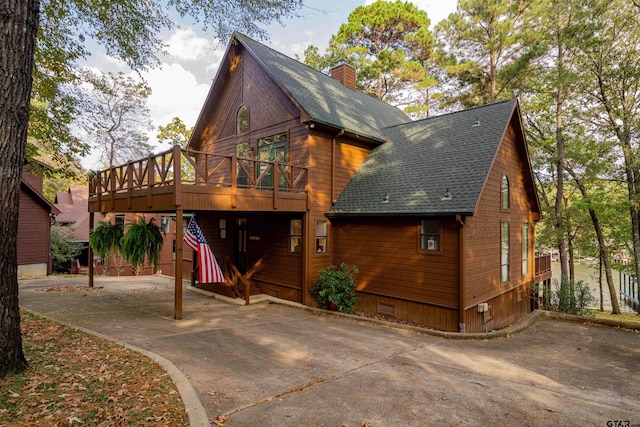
(345, 74)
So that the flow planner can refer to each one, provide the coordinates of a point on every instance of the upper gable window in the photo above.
(505, 202)
(242, 120)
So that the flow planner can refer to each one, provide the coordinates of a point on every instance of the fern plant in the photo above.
(142, 242)
(106, 240)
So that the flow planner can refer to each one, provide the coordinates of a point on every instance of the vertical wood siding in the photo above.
(483, 236)
(349, 155)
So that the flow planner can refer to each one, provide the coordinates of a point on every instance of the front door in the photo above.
(270, 149)
(241, 245)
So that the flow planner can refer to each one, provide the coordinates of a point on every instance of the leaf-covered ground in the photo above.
(77, 379)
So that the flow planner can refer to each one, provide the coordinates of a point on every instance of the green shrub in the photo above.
(63, 248)
(336, 286)
(562, 299)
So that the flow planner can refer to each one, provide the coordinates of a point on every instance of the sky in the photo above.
(181, 83)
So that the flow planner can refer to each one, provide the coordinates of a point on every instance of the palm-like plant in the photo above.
(105, 240)
(143, 241)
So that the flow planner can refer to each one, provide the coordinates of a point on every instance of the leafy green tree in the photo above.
(106, 241)
(607, 59)
(142, 242)
(484, 47)
(390, 45)
(115, 116)
(129, 31)
(175, 133)
(63, 248)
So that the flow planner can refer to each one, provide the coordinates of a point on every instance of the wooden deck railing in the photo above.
(543, 266)
(199, 169)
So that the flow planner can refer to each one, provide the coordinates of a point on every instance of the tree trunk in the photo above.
(600, 282)
(17, 43)
(560, 165)
(604, 253)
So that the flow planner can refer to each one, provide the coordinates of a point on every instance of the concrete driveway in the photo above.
(275, 365)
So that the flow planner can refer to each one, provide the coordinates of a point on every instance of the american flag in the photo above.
(209, 270)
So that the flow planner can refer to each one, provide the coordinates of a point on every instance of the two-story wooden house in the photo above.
(289, 170)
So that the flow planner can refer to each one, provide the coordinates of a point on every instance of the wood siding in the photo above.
(33, 231)
(349, 155)
(482, 231)
(392, 267)
(246, 83)
(504, 310)
(272, 268)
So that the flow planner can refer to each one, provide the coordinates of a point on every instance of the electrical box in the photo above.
(483, 307)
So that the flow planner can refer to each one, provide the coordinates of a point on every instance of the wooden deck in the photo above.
(203, 181)
(542, 268)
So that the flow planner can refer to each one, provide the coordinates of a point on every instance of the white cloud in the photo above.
(175, 93)
(184, 44)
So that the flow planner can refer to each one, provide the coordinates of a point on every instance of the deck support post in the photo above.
(90, 256)
(177, 308)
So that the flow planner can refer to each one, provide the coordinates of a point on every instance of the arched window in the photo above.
(505, 193)
(242, 120)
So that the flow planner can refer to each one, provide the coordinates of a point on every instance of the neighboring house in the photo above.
(74, 213)
(289, 170)
(35, 217)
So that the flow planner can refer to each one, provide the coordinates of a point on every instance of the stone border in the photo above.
(196, 413)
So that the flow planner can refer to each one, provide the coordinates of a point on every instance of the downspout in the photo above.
(462, 291)
(333, 165)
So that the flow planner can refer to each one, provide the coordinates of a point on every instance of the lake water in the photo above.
(588, 273)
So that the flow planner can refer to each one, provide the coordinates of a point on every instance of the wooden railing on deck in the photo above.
(543, 266)
(200, 169)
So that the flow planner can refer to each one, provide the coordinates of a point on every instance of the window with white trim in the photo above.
(322, 230)
(430, 235)
(504, 251)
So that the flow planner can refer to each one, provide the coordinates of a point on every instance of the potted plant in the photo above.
(336, 288)
(143, 241)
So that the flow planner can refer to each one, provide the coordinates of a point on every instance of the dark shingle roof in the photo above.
(423, 160)
(325, 99)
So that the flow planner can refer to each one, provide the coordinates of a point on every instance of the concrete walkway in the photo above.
(274, 365)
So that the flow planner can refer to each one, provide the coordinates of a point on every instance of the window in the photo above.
(321, 236)
(242, 120)
(295, 236)
(430, 235)
(525, 248)
(222, 228)
(164, 223)
(242, 152)
(271, 148)
(505, 251)
(119, 219)
(505, 202)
